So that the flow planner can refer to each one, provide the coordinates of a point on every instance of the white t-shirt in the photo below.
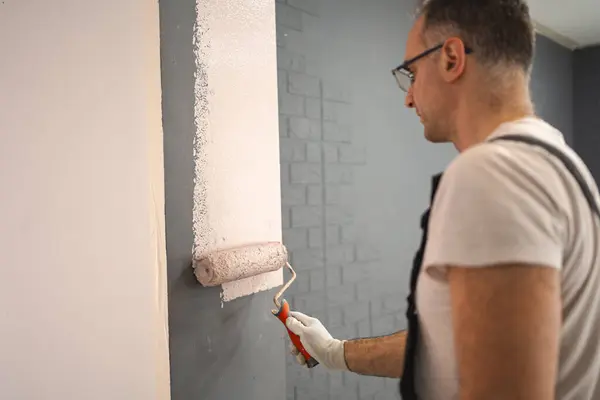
(526, 207)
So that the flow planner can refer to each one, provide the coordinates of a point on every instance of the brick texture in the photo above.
(319, 158)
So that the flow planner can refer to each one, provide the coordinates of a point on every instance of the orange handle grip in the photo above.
(282, 314)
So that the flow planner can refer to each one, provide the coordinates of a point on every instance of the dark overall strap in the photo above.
(407, 382)
(566, 160)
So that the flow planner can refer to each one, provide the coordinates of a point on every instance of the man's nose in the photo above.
(409, 101)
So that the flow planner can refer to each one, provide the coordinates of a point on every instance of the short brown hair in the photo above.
(498, 31)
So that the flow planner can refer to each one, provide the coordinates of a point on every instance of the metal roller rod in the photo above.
(285, 287)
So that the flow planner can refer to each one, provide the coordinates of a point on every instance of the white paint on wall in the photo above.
(83, 311)
(237, 198)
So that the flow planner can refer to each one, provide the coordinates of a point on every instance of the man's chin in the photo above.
(434, 137)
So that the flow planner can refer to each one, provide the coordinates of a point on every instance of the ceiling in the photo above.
(572, 23)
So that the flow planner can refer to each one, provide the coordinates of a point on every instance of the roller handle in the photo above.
(282, 314)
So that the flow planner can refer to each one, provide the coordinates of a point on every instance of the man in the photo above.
(508, 295)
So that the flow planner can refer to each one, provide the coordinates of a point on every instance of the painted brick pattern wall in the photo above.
(319, 157)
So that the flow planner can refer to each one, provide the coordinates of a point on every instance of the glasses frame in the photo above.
(403, 68)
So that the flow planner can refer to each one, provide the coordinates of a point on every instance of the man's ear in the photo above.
(453, 59)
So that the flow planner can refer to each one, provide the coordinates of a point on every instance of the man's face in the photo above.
(429, 94)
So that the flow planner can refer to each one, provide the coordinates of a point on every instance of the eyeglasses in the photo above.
(404, 77)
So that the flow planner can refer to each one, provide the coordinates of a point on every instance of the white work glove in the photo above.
(317, 341)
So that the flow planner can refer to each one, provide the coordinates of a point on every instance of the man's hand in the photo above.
(378, 356)
(317, 341)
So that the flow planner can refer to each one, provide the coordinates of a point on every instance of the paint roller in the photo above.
(237, 263)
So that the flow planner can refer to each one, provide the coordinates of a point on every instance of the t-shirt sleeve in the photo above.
(492, 208)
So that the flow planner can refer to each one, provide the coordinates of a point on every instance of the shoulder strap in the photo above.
(566, 160)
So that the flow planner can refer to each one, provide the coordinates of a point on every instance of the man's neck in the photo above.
(478, 116)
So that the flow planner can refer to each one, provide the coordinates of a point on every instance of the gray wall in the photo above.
(356, 170)
(552, 85)
(214, 351)
(586, 82)
(350, 152)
